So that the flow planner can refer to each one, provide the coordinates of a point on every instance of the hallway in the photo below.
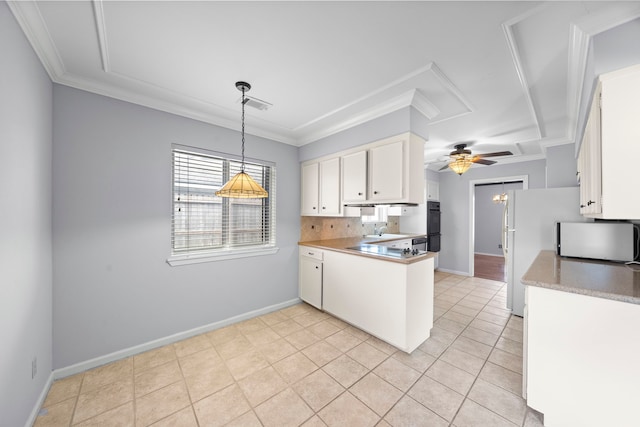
(490, 267)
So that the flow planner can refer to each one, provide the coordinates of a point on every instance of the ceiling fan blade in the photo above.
(496, 154)
(444, 167)
(482, 161)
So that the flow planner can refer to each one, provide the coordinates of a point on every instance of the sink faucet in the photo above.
(379, 231)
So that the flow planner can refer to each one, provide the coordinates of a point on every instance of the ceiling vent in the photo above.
(256, 103)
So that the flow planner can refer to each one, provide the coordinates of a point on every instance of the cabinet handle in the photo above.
(317, 267)
(314, 208)
(359, 194)
(310, 253)
(590, 202)
(583, 206)
(324, 207)
(375, 192)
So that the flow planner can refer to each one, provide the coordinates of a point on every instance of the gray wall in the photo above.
(561, 166)
(111, 230)
(25, 224)
(610, 50)
(397, 122)
(455, 207)
(617, 48)
(432, 175)
(488, 218)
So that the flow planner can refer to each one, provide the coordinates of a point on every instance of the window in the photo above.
(206, 227)
(381, 214)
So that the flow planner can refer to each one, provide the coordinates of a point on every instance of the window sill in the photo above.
(177, 260)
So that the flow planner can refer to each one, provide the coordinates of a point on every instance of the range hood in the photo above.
(367, 209)
(373, 205)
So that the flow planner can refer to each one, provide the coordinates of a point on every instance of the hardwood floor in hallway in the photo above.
(490, 267)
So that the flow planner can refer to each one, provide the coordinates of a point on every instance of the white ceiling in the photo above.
(507, 75)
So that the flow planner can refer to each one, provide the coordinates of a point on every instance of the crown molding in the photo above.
(101, 30)
(552, 142)
(394, 104)
(423, 105)
(580, 35)
(411, 98)
(507, 28)
(453, 90)
(142, 93)
(27, 13)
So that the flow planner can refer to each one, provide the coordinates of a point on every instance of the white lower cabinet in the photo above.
(581, 357)
(310, 276)
(392, 301)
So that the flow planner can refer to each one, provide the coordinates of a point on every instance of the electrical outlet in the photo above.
(34, 367)
(500, 246)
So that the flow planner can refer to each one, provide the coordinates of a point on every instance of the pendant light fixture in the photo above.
(242, 186)
(500, 198)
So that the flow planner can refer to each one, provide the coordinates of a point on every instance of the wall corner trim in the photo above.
(43, 395)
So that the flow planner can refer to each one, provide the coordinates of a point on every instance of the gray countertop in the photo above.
(599, 279)
(342, 245)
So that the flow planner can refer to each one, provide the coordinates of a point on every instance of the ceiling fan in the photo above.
(461, 158)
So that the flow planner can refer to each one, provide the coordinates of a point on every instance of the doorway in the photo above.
(486, 256)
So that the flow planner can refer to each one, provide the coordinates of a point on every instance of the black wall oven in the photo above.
(433, 226)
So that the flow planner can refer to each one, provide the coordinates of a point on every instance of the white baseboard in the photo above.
(459, 273)
(482, 253)
(36, 408)
(121, 354)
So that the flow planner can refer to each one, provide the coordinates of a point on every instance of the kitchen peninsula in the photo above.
(582, 320)
(389, 297)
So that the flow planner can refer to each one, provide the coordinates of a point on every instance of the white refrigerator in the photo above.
(530, 218)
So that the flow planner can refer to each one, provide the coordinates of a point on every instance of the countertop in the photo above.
(599, 279)
(341, 245)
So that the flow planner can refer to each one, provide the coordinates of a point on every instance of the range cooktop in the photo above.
(386, 251)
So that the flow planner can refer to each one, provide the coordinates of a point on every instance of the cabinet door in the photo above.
(354, 177)
(433, 190)
(590, 163)
(310, 281)
(330, 187)
(387, 171)
(310, 189)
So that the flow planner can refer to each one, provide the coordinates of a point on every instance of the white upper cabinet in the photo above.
(321, 188)
(607, 161)
(354, 177)
(433, 190)
(310, 189)
(590, 162)
(386, 171)
(330, 187)
(383, 172)
(387, 167)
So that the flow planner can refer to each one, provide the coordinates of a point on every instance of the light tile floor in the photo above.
(300, 366)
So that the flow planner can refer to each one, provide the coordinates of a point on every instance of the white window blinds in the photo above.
(204, 222)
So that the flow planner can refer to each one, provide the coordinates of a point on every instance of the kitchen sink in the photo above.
(386, 236)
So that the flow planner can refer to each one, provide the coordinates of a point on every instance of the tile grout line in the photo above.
(467, 291)
(423, 374)
(466, 396)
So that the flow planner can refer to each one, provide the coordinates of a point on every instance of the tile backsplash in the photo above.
(323, 228)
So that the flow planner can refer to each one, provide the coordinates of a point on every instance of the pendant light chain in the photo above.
(242, 186)
(243, 101)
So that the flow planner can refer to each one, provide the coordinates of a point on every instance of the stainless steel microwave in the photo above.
(611, 241)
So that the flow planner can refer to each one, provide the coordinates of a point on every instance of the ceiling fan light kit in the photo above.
(461, 159)
(242, 186)
(461, 164)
